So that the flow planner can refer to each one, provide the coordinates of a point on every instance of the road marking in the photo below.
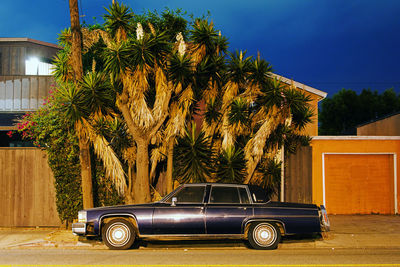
(211, 265)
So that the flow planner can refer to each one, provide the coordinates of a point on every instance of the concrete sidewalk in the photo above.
(347, 231)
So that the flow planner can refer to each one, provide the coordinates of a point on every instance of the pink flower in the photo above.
(10, 134)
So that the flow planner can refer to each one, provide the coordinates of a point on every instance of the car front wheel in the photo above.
(264, 235)
(119, 234)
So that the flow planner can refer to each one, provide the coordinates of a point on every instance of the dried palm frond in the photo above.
(106, 38)
(140, 113)
(254, 148)
(111, 163)
(211, 92)
(186, 99)
(198, 52)
(157, 155)
(231, 90)
(228, 138)
(163, 92)
(129, 155)
(135, 83)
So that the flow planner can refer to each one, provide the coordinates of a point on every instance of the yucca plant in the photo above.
(270, 170)
(231, 166)
(193, 157)
(118, 21)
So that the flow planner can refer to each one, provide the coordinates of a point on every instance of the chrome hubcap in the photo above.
(264, 234)
(118, 234)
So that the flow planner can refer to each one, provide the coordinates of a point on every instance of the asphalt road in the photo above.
(201, 257)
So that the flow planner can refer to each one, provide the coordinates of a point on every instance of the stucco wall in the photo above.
(312, 128)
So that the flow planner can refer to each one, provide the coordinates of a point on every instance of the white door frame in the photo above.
(383, 153)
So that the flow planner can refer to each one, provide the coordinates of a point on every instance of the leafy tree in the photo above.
(341, 113)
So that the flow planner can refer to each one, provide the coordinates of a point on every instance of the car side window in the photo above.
(189, 194)
(223, 194)
(244, 197)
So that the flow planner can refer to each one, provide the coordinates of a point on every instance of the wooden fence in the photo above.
(27, 194)
(298, 176)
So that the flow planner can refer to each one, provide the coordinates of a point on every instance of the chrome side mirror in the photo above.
(174, 200)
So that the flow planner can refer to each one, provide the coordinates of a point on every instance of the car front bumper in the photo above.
(79, 229)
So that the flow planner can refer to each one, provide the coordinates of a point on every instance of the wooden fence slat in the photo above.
(11, 188)
(298, 176)
(18, 188)
(27, 197)
(3, 187)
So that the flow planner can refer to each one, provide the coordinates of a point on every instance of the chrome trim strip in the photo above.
(193, 236)
(283, 216)
(290, 208)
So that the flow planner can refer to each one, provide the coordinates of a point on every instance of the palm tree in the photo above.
(84, 104)
(76, 57)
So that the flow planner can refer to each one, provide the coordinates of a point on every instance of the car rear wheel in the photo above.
(264, 235)
(118, 234)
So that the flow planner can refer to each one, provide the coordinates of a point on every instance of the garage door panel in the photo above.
(359, 183)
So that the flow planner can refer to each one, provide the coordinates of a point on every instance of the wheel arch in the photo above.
(126, 216)
(279, 223)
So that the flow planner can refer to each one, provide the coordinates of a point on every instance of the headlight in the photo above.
(82, 216)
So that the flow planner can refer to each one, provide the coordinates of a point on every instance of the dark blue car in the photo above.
(204, 211)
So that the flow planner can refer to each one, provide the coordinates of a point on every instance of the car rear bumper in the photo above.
(324, 220)
(79, 228)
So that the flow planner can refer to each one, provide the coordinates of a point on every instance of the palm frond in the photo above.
(254, 149)
(193, 157)
(63, 71)
(231, 166)
(97, 89)
(118, 21)
(73, 102)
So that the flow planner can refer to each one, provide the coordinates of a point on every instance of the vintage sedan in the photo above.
(204, 211)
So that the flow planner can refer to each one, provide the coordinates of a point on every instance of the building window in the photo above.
(13, 139)
(36, 66)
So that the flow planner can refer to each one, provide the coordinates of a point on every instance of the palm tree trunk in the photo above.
(84, 154)
(86, 173)
(129, 195)
(76, 40)
(169, 185)
(142, 184)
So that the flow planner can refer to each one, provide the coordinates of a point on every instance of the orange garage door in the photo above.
(359, 184)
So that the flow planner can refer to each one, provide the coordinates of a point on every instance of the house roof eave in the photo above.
(29, 40)
(307, 88)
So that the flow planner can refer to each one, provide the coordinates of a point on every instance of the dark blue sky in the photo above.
(326, 44)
